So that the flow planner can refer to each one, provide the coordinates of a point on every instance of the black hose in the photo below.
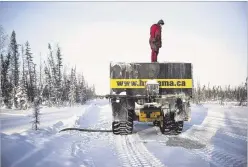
(86, 130)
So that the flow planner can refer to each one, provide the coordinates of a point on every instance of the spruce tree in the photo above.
(14, 66)
(59, 74)
(31, 73)
(72, 91)
(6, 85)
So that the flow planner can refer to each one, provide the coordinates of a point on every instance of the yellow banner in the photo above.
(140, 83)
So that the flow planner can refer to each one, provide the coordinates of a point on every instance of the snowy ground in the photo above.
(216, 136)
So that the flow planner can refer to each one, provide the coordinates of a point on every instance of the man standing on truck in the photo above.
(155, 39)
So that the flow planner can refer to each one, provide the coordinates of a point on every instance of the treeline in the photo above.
(203, 93)
(23, 81)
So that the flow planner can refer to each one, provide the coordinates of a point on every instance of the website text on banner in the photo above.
(140, 83)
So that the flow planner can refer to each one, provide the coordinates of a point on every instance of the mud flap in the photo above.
(183, 114)
(120, 112)
(120, 109)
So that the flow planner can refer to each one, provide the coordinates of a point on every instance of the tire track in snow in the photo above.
(219, 157)
(85, 143)
(133, 153)
(126, 152)
(222, 118)
(43, 146)
(214, 154)
(43, 149)
(206, 135)
(214, 128)
(217, 154)
(130, 149)
(222, 124)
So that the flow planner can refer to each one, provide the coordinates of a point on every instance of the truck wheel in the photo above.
(166, 124)
(123, 127)
(115, 127)
(179, 127)
(130, 120)
(169, 125)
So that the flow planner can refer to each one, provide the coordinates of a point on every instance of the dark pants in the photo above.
(154, 55)
(155, 50)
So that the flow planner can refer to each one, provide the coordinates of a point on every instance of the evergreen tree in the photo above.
(53, 75)
(30, 84)
(59, 75)
(40, 80)
(1, 94)
(6, 85)
(36, 113)
(22, 94)
(3, 40)
(66, 86)
(14, 76)
(72, 91)
(82, 88)
(47, 91)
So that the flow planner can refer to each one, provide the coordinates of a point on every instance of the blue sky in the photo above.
(211, 35)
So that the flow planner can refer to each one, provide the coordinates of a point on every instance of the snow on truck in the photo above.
(150, 92)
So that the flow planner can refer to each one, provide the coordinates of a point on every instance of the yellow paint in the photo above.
(140, 83)
(153, 116)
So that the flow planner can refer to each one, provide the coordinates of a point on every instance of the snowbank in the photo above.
(216, 135)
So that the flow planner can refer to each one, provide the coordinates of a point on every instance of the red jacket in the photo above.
(155, 35)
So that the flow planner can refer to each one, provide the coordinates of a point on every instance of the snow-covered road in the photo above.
(216, 136)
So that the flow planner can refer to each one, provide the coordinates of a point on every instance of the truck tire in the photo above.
(169, 126)
(166, 124)
(130, 120)
(179, 127)
(123, 127)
